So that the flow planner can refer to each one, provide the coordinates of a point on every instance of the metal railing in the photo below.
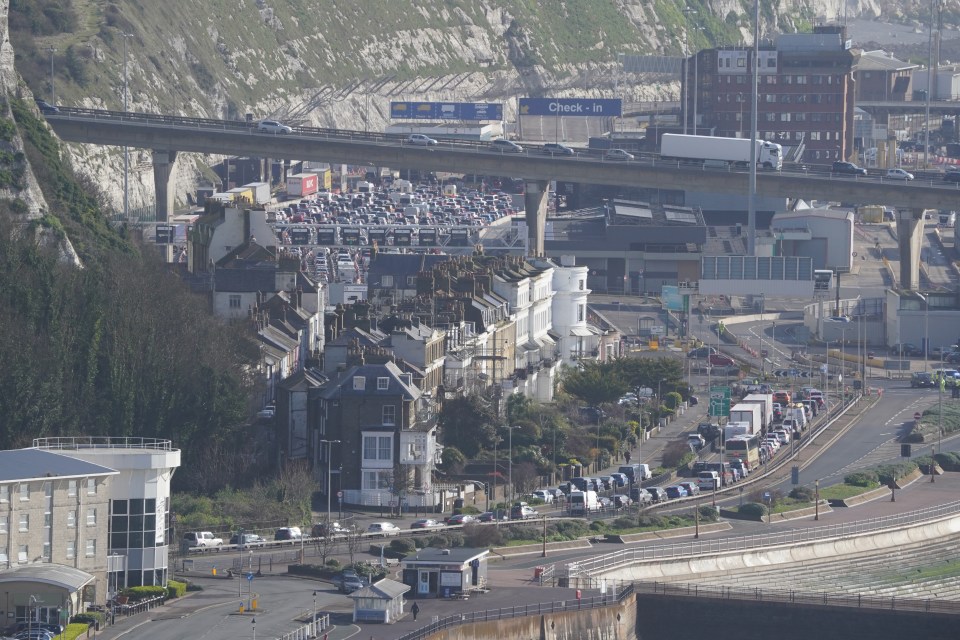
(760, 541)
(312, 629)
(782, 596)
(595, 602)
(102, 442)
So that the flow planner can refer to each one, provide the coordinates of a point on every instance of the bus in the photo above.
(746, 448)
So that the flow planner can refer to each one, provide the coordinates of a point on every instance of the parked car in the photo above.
(543, 494)
(202, 539)
(421, 140)
(384, 529)
(617, 154)
(621, 501)
(905, 349)
(522, 512)
(247, 540)
(425, 523)
(641, 496)
(676, 491)
(349, 583)
(273, 126)
(288, 533)
(322, 530)
(658, 494)
(899, 174)
(460, 518)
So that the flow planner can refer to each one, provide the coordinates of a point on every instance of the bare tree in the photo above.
(353, 540)
(524, 477)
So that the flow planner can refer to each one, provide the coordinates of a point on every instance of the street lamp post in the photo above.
(816, 499)
(254, 623)
(510, 463)
(686, 53)
(53, 92)
(313, 620)
(126, 150)
(329, 444)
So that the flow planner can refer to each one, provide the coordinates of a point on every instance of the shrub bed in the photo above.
(138, 594)
(176, 589)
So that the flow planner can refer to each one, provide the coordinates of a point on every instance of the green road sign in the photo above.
(719, 401)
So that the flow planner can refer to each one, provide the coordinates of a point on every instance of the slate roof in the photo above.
(39, 464)
(396, 386)
(385, 589)
(454, 555)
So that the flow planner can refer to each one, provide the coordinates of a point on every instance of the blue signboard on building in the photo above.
(571, 107)
(447, 110)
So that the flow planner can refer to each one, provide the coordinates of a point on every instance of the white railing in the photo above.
(626, 557)
(102, 442)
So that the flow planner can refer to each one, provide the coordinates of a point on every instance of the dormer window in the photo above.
(359, 383)
(383, 383)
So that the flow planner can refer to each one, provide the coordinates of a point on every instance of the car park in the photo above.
(273, 126)
(420, 140)
(425, 523)
(556, 149)
(383, 529)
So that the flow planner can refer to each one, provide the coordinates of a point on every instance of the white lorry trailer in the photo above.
(717, 151)
(749, 413)
(765, 400)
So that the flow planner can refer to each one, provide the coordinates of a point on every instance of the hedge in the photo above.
(90, 618)
(176, 589)
(887, 473)
(144, 593)
(862, 479)
(753, 509)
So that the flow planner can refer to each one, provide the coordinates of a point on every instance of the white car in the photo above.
(617, 154)
(899, 174)
(384, 529)
(273, 126)
(202, 539)
(421, 140)
(543, 494)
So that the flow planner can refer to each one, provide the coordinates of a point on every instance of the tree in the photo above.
(524, 477)
(452, 460)
(595, 384)
(468, 424)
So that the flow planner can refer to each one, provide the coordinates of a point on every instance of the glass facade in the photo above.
(136, 530)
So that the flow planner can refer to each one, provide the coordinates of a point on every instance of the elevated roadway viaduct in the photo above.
(168, 135)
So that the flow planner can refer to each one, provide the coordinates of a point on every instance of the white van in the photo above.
(708, 480)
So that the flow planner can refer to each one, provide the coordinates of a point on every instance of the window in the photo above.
(770, 98)
(235, 301)
(91, 548)
(374, 480)
(72, 488)
(4, 522)
(46, 551)
(784, 117)
(71, 519)
(581, 312)
(581, 285)
(71, 549)
(91, 517)
(3, 556)
(411, 281)
(24, 522)
(359, 383)
(91, 486)
(383, 383)
(389, 414)
(24, 491)
(386, 281)
(48, 489)
(23, 553)
(377, 447)
(770, 117)
(5, 493)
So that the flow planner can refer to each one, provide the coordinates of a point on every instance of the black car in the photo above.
(952, 175)
(922, 379)
(906, 349)
(46, 108)
(848, 168)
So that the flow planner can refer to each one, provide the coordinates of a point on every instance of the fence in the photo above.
(505, 613)
(797, 597)
(312, 629)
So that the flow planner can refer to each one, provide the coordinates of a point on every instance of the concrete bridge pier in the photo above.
(163, 166)
(535, 204)
(910, 239)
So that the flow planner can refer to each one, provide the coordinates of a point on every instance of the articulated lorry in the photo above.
(719, 152)
(765, 401)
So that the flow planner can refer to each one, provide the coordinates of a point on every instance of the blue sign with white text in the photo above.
(447, 110)
(571, 107)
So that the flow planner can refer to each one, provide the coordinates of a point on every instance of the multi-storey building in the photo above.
(80, 519)
(805, 97)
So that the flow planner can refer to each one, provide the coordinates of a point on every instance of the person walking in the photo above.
(415, 609)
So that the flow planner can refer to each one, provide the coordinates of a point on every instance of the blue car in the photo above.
(676, 491)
